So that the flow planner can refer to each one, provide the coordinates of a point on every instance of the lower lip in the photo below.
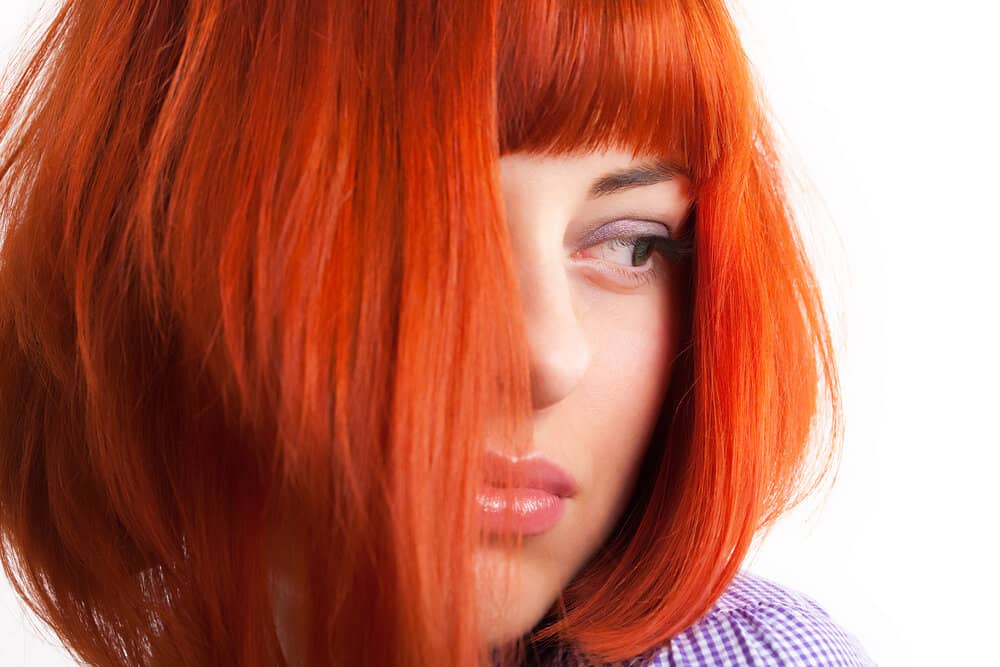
(526, 511)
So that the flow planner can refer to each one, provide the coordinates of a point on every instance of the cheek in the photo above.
(635, 340)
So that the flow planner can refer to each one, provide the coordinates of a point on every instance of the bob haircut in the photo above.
(194, 342)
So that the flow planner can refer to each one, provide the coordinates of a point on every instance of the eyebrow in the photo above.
(647, 173)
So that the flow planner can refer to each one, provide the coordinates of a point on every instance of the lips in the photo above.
(525, 495)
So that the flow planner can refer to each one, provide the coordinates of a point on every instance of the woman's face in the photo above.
(603, 331)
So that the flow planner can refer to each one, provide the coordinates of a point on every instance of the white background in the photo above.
(889, 113)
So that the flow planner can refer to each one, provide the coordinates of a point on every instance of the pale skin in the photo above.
(602, 345)
(601, 354)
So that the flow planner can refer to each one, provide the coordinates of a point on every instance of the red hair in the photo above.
(194, 342)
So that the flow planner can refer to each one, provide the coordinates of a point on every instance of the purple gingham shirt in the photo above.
(757, 623)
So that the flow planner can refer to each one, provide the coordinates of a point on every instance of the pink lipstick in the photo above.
(533, 503)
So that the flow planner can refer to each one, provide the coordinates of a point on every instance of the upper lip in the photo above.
(532, 472)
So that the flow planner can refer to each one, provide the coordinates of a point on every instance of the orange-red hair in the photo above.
(254, 266)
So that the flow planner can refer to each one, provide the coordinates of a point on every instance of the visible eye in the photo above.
(639, 259)
(635, 252)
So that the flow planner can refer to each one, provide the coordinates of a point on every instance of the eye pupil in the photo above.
(642, 248)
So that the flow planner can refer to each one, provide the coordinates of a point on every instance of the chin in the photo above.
(510, 608)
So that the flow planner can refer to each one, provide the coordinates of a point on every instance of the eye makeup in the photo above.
(625, 228)
(628, 233)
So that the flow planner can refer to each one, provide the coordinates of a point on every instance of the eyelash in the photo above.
(669, 249)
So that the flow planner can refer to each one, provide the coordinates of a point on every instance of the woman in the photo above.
(404, 333)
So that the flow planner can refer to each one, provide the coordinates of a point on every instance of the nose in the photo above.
(559, 350)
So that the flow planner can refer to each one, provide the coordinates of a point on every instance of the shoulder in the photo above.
(760, 623)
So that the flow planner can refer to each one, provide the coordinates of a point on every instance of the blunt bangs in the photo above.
(647, 76)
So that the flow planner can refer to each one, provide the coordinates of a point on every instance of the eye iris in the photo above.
(642, 249)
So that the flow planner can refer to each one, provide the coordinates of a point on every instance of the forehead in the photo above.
(597, 173)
